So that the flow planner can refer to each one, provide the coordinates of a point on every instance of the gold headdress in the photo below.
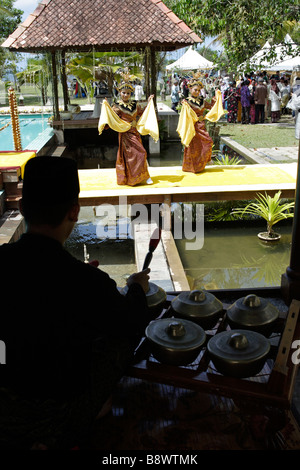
(126, 83)
(195, 80)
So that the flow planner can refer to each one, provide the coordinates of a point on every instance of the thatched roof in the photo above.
(101, 25)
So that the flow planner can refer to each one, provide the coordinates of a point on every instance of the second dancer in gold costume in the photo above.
(192, 128)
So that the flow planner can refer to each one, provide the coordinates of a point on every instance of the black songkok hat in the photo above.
(50, 181)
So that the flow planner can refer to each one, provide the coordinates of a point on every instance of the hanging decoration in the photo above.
(14, 119)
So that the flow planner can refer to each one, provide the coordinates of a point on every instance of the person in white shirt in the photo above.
(285, 96)
(138, 92)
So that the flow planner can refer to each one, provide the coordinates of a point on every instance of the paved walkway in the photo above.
(263, 155)
(277, 154)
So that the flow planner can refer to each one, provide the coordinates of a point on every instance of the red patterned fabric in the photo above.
(199, 152)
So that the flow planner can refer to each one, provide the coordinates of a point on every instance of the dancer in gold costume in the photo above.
(131, 164)
(192, 128)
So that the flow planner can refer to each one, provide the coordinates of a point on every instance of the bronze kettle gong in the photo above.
(253, 313)
(199, 306)
(238, 353)
(175, 341)
(156, 297)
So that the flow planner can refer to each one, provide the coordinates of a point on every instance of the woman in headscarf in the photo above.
(231, 95)
(245, 101)
(252, 87)
(275, 101)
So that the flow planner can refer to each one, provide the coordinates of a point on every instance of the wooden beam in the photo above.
(91, 198)
(64, 80)
(176, 269)
(147, 71)
(55, 87)
(153, 73)
(290, 281)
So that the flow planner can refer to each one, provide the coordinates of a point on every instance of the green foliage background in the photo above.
(242, 26)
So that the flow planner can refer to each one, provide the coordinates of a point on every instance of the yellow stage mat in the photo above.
(166, 177)
(15, 159)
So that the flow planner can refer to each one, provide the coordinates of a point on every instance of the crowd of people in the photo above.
(251, 99)
(255, 97)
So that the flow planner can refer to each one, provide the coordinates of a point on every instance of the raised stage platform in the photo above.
(171, 184)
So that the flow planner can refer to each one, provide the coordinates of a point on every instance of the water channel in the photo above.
(171, 154)
(115, 255)
(231, 257)
(235, 258)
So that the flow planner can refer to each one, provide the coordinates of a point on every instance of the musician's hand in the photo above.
(141, 278)
(151, 96)
(94, 263)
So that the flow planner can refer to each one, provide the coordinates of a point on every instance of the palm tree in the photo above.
(5, 11)
(270, 209)
(37, 72)
(3, 52)
(105, 65)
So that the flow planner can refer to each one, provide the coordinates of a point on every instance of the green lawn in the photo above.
(260, 135)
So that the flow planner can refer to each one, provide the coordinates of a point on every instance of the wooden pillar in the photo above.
(290, 281)
(166, 213)
(55, 87)
(64, 80)
(153, 73)
(147, 71)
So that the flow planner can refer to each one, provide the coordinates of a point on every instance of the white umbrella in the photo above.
(191, 60)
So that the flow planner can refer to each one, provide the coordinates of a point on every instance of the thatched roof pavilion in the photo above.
(101, 25)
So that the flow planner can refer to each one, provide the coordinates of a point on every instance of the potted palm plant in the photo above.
(271, 210)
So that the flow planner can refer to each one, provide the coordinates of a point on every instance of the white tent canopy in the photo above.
(259, 59)
(191, 60)
(288, 64)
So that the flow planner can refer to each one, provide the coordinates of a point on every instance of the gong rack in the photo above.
(273, 386)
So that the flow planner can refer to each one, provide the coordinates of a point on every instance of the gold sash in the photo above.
(188, 117)
(146, 125)
(109, 117)
(148, 122)
(217, 110)
(186, 124)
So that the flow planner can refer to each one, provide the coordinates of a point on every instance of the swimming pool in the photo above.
(31, 126)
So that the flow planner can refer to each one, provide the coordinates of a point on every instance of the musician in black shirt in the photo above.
(69, 333)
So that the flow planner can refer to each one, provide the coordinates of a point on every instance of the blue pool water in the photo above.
(31, 126)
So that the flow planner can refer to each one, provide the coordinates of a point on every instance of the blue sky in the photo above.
(28, 6)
